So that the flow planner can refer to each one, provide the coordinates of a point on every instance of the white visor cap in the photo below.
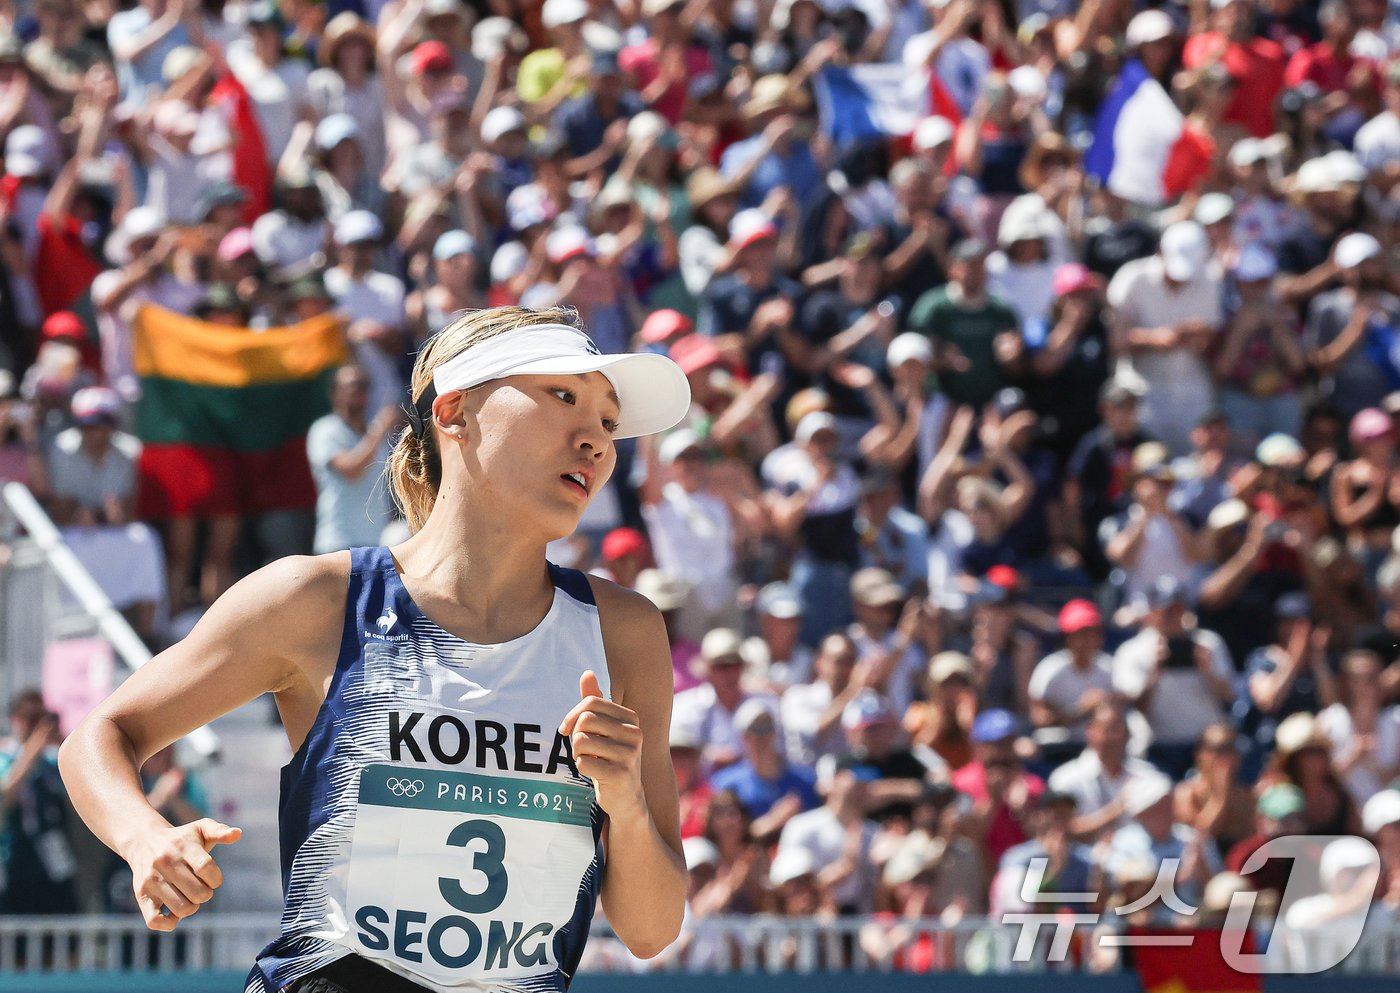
(652, 391)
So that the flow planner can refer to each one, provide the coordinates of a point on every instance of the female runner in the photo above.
(480, 737)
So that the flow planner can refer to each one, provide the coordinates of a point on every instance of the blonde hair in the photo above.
(414, 468)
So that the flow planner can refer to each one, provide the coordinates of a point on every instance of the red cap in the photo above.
(1072, 277)
(694, 352)
(1078, 615)
(63, 324)
(1004, 576)
(663, 324)
(622, 541)
(431, 56)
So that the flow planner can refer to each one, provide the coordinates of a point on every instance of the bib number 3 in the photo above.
(490, 863)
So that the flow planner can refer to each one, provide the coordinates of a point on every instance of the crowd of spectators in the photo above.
(1041, 492)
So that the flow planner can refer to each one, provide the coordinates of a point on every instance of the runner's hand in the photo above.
(607, 743)
(173, 869)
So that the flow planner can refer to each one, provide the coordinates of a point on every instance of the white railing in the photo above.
(35, 612)
(754, 944)
(123, 943)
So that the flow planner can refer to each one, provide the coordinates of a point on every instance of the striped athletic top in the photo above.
(433, 821)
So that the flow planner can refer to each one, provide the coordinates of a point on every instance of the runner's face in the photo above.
(534, 431)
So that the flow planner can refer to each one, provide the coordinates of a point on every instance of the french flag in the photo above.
(1136, 130)
(878, 101)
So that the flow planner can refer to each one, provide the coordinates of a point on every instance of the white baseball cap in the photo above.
(1214, 208)
(1315, 176)
(1184, 249)
(1246, 152)
(1028, 82)
(139, 223)
(334, 129)
(567, 243)
(1354, 249)
(909, 345)
(932, 132)
(749, 226)
(501, 121)
(811, 424)
(357, 226)
(1149, 26)
(509, 261)
(451, 244)
(557, 13)
(677, 443)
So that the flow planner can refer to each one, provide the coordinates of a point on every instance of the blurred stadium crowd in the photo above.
(1041, 490)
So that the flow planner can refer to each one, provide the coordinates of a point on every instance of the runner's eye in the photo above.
(566, 395)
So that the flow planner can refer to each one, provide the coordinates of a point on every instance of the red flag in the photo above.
(1199, 967)
(250, 168)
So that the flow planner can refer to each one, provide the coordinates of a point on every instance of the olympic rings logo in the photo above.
(404, 787)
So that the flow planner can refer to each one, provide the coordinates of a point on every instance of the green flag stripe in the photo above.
(257, 418)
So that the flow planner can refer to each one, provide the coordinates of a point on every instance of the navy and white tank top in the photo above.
(433, 821)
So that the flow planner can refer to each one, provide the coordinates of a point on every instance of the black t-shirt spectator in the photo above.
(1247, 622)
(824, 315)
(1067, 401)
(898, 764)
(583, 124)
(1101, 464)
(729, 305)
(1106, 251)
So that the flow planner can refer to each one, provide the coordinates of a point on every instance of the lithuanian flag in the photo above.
(224, 412)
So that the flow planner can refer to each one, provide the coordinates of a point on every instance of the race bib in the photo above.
(459, 876)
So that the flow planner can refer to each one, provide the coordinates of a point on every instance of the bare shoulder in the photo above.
(291, 609)
(634, 637)
(300, 588)
(277, 630)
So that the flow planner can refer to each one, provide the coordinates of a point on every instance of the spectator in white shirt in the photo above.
(372, 303)
(1151, 541)
(1180, 677)
(92, 485)
(778, 611)
(1365, 733)
(706, 712)
(1166, 313)
(1068, 685)
(885, 632)
(276, 84)
(347, 450)
(1098, 776)
(811, 712)
(691, 528)
(830, 834)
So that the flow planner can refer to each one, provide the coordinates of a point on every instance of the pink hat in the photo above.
(1370, 424)
(1077, 615)
(1072, 277)
(236, 244)
(694, 352)
(663, 324)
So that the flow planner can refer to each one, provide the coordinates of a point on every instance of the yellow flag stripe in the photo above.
(173, 346)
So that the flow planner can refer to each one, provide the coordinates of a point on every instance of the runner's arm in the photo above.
(250, 642)
(645, 879)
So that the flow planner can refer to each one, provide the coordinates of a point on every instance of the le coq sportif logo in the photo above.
(387, 620)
